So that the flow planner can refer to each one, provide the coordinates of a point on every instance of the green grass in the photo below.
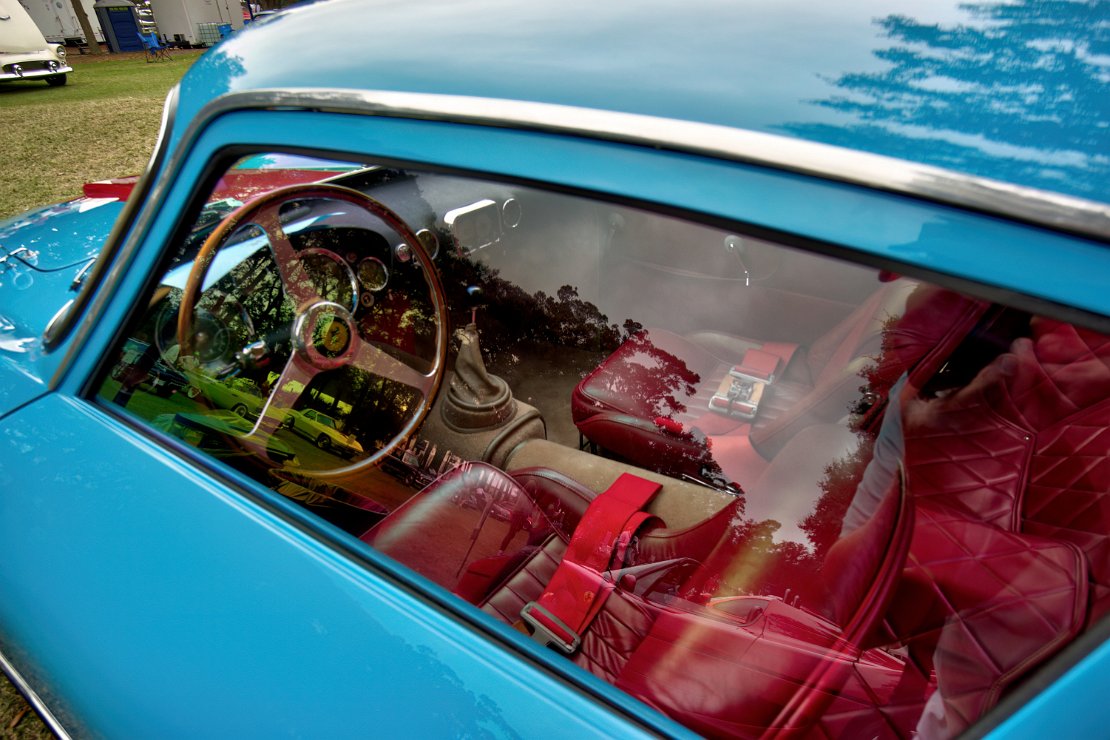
(17, 720)
(103, 123)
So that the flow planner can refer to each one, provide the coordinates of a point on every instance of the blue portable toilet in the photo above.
(120, 22)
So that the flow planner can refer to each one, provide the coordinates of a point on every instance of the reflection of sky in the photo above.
(289, 162)
(777, 50)
(224, 262)
(227, 258)
(757, 65)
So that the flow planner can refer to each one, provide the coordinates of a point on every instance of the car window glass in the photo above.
(755, 487)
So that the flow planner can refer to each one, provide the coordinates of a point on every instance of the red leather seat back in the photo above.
(1026, 445)
(861, 568)
(771, 667)
(481, 522)
(861, 571)
(1011, 480)
(648, 401)
(1061, 394)
(980, 607)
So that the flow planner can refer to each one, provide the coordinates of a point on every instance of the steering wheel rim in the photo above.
(307, 358)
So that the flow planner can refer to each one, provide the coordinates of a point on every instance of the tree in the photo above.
(86, 27)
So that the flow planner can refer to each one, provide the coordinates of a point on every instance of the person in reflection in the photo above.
(135, 372)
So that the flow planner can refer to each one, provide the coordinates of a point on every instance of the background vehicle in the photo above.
(241, 396)
(670, 423)
(321, 429)
(24, 53)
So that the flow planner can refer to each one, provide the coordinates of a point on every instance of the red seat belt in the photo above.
(579, 588)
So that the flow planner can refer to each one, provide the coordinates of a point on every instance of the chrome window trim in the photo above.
(1030, 205)
(63, 322)
(33, 698)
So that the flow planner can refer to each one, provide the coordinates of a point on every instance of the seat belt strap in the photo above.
(581, 584)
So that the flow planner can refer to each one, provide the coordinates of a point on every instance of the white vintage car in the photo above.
(24, 53)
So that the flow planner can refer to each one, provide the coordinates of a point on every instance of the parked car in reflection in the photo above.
(637, 374)
(132, 368)
(209, 431)
(322, 430)
(241, 396)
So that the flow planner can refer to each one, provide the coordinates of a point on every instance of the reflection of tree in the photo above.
(652, 376)
(838, 487)
(511, 317)
(757, 557)
(513, 320)
(257, 285)
(1025, 78)
(382, 406)
(758, 564)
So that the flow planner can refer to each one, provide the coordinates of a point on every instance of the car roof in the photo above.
(1002, 91)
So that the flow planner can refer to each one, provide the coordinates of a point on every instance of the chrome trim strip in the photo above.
(62, 324)
(33, 698)
(1030, 205)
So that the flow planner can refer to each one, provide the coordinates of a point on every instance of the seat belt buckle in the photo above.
(544, 635)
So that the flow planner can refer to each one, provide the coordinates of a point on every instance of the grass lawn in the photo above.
(101, 124)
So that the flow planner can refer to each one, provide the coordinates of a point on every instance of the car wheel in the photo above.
(56, 80)
(323, 442)
(240, 410)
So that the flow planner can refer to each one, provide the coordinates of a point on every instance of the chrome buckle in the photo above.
(543, 635)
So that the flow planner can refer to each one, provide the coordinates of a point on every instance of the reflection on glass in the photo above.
(957, 96)
(329, 276)
(791, 455)
(372, 274)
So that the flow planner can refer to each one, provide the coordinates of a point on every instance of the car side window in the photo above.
(756, 487)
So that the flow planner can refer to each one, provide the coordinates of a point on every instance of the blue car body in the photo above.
(145, 588)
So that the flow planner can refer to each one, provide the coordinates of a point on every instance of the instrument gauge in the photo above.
(372, 274)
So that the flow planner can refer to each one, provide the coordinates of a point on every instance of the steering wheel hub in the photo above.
(323, 332)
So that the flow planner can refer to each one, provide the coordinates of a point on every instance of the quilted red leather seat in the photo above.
(649, 402)
(979, 607)
(1008, 560)
(1026, 445)
(499, 541)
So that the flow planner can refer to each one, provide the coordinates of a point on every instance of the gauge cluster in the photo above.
(314, 249)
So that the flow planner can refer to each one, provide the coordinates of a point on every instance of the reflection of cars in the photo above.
(322, 429)
(792, 358)
(133, 369)
(164, 379)
(24, 53)
(207, 431)
(239, 395)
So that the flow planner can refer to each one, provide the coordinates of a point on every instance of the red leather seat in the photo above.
(1011, 481)
(979, 607)
(648, 402)
(778, 669)
(1026, 445)
(498, 540)
(741, 665)
(476, 527)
